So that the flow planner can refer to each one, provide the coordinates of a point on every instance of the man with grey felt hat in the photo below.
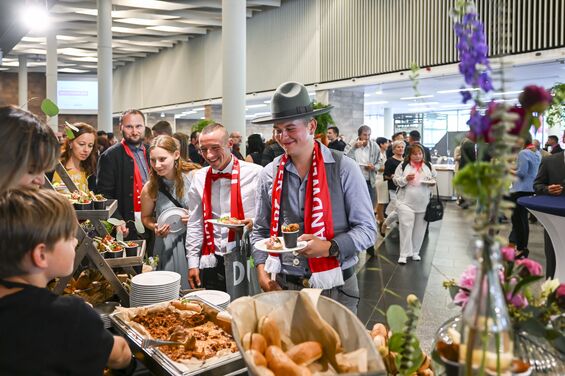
(323, 192)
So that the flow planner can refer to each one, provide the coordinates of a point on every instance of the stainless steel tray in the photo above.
(157, 362)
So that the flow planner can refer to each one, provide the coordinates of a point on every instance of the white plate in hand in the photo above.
(262, 246)
(173, 217)
(216, 222)
(428, 182)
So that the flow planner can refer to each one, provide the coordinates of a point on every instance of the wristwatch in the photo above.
(334, 249)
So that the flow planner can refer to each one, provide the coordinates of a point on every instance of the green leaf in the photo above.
(534, 327)
(49, 108)
(116, 221)
(107, 225)
(69, 133)
(417, 359)
(139, 226)
(396, 318)
(525, 281)
(396, 341)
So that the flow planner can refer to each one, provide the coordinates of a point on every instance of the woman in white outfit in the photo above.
(414, 178)
(382, 186)
(390, 167)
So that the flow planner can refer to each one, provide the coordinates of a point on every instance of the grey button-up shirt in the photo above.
(352, 211)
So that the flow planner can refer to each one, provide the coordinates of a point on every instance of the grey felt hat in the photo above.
(290, 101)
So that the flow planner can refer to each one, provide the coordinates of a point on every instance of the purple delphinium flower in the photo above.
(473, 50)
(479, 125)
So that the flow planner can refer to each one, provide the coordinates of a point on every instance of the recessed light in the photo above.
(416, 97)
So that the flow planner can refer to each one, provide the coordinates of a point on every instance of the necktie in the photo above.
(221, 176)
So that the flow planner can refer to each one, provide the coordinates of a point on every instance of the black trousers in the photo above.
(214, 278)
(520, 234)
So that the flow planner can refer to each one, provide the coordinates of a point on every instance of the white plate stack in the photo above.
(218, 298)
(154, 287)
(105, 309)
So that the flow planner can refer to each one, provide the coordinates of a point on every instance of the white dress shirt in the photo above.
(221, 205)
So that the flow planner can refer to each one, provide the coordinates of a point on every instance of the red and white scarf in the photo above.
(137, 180)
(326, 271)
(208, 259)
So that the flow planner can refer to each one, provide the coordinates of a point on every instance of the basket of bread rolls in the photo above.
(301, 333)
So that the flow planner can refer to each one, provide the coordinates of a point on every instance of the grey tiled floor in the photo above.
(446, 253)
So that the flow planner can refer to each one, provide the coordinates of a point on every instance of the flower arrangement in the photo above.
(531, 305)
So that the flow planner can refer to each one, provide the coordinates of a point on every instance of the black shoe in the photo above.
(371, 251)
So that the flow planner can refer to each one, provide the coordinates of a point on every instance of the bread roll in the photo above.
(264, 371)
(305, 353)
(186, 306)
(258, 358)
(269, 329)
(254, 341)
(379, 329)
(282, 365)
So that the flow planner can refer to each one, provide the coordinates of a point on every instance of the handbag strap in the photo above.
(164, 191)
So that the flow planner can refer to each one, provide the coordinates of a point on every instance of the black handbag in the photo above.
(434, 210)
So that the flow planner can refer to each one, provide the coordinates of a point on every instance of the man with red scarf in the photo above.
(323, 192)
(225, 188)
(123, 169)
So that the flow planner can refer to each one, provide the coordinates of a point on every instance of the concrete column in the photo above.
(389, 123)
(104, 24)
(51, 75)
(233, 66)
(22, 81)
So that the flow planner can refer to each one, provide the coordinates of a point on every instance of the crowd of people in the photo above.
(340, 194)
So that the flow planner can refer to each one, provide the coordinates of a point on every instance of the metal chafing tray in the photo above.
(160, 364)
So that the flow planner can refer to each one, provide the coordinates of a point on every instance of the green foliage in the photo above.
(481, 181)
(555, 113)
(324, 120)
(200, 125)
(415, 78)
(404, 341)
(49, 108)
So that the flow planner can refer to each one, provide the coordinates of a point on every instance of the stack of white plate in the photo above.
(105, 309)
(218, 298)
(154, 287)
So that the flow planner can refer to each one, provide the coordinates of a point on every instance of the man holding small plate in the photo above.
(323, 192)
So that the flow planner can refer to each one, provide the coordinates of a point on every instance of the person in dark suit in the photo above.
(123, 169)
(193, 152)
(550, 180)
(553, 142)
(335, 141)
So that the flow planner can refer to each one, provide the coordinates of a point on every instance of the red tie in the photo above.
(221, 176)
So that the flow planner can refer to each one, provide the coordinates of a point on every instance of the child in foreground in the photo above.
(43, 333)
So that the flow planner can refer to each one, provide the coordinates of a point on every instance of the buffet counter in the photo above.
(444, 180)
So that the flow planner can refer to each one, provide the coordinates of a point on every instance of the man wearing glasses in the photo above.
(123, 169)
(225, 188)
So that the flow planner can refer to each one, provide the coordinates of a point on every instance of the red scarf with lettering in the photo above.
(326, 271)
(137, 180)
(208, 259)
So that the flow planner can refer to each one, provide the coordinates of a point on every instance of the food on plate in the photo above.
(305, 353)
(293, 227)
(196, 327)
(226, 219)
(268, 328)
(274, 244)
(281, 364)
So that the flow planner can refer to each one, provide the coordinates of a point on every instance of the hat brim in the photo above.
(270, 119)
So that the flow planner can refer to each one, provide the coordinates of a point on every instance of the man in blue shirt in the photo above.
(347, 222)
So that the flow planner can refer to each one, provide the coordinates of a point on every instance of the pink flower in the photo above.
(560, 291)
(518, 300)
(508, 254)
(535, 98)
(529, 267)
(468, 277)
(461, 298)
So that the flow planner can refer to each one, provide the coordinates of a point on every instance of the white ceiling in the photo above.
(139, 28)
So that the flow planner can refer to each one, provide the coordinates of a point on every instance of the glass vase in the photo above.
(486, 330)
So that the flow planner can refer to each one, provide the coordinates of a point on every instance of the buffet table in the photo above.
(550, 211)
(444, 180)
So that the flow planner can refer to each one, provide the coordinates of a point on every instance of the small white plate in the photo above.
(172, 217)
(216, 222)
(156, 278)
(428, 182)
(215, 297)
(262, 246)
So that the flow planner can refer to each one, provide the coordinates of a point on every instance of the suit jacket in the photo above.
(556, 149)
(115, 180)
(551, 171)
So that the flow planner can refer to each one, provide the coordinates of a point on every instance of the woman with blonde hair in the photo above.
(414, 177)
(30, 148)
(79, 155)
(167, 188)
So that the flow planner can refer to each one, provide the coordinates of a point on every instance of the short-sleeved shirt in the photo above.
(46, 334)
